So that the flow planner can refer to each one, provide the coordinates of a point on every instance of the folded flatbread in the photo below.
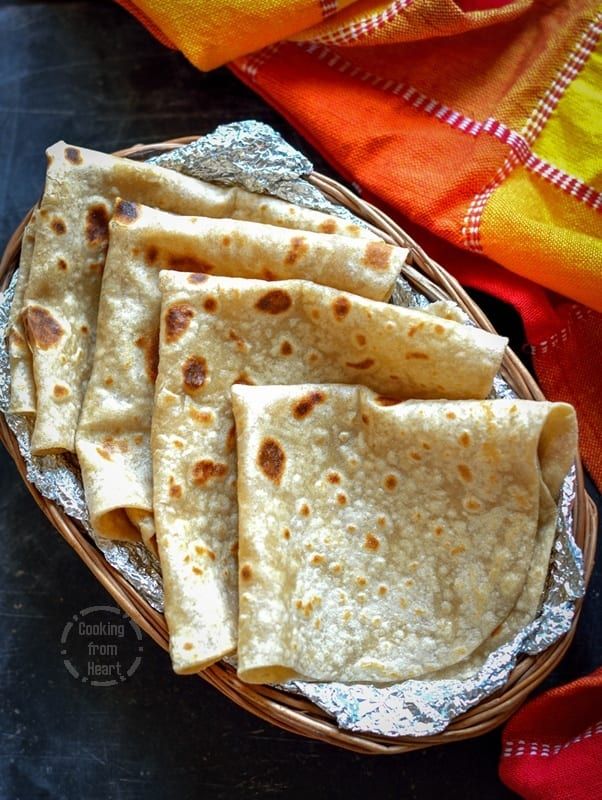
(113, 436)
(22, 386)
(222, 331)
(61, 300)
(385, 542)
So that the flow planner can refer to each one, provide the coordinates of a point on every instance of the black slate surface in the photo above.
(86, 72)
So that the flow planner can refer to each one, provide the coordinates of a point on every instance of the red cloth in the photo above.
(552, 748)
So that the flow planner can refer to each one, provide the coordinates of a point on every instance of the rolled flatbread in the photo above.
(383, 542)
(22, 385)
(113, 436)
(216, 332)
(61, 299)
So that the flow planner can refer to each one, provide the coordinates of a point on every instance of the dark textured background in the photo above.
(86, 72)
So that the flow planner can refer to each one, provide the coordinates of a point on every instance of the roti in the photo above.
(216, 332)
(381, 542)
(22, 384)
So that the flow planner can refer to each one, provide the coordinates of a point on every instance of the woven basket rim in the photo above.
(290, 712)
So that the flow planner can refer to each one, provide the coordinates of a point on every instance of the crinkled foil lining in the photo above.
(252, 155)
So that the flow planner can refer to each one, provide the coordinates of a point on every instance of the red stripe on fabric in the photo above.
(349, 34)
(328, 8)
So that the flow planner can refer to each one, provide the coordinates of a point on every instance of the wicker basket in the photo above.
(287, 711)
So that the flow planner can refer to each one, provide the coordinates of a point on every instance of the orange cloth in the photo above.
(480, 126)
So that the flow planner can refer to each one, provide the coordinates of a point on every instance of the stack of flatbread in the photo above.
(328, 490)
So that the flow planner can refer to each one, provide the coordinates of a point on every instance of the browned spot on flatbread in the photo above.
(383, 400)
(108, 381)
(382, 589)
(62, 264)
(42, 328)
(275, 302)
(246, 573)
(365, 364)
(97, 225)
(328, 226)
(464, 439)
(197, 570)
(73, 155)
(204, 417)
(361, 581)
(188, 646)
(438, 530)
(360, 339)
(226, 241)
(210, 304)
(390, 482)
(297, 249)
(60, 392)
(341, 498)
(194, 371)
(465, 472)
(306, 405)
(415, 456)
(365, 419)
(175, 490)
(439, 330)
(413, 354)
(204, 551)
(96, 266)
(126, 212)
(231, 439)
(150, 346)
(377, 255)
(316, 559)
(286, 348)
(151, 254)
(305, 510)
(450, 415)
(244, 379)
(188, 263)
(58, 226)
(104, 453)
(177, 320)
(197, 277)
(206, 470)
(286, 533)
(268, 275)
(413, 329)
(333, 477)
(340, 307)
(271, 459)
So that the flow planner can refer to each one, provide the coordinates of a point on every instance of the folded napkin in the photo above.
(472, 122)
(552, 748)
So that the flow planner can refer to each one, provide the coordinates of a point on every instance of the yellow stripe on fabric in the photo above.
(537, 230)
(572, 137)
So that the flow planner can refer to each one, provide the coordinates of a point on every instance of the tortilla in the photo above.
(113, 436)
(61, 300)
(22, 385)
(222, 331)
(384, 542)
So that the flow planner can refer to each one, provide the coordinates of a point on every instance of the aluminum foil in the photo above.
(253, 155)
